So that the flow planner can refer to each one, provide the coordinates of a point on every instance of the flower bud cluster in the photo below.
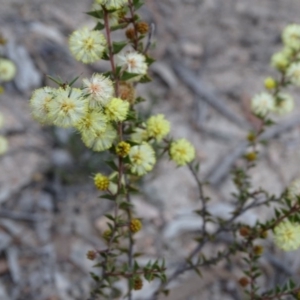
(287, 62)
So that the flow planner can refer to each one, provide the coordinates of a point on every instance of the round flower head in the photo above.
(92, 122)
(287, 236)
(293, 73)
(101, 140)
(117, 109)
(262, 103)
(158, 127)
(182, 152)
(67, 108)
(123, 149)
(133, 62)
(39, 104)
(101, 182)
(284, 103)
(291, 36)
(279, 61)
(87, 45)
(99, 90)
(7, 70)
(139, 135)
(3, 145)
(112, 4)
(294, 189)
(142, 158)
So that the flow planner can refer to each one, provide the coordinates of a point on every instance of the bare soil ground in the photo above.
(50, 213)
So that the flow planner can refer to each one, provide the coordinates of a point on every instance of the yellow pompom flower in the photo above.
(39, 104)
(67, 108)
(101, 182)
(182, 152)
(100, 141)
(117, 109)
(291, 36)
(112, 4)
(158, 127)
(92, 122)
(142, 158)
(87, 45)
(7, 70)
(123, 149)
(3, 145)
(98, 90)
(287, 236)
(135, 225)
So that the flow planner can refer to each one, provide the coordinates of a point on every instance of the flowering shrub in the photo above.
(103, 111)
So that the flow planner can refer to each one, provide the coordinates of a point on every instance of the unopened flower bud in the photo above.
(244, 231)
(251, 156)
(107, 234)
(244, 281)
(251, 137)
(264, 234)
(258, 250)
(137, 284)
(135, 225)
(270, 83)
(130, 33)
(123, 149)
(142, 27)
(91, 255)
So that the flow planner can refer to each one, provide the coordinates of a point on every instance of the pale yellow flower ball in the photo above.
(182, 152)
(287, 236)
(101, 140)
(262, 104)
(7, 70)
(291, 36)
(158, 127)
(142, 159)
(87, 45)
(284, 104)
(67, 108)
(117, 109)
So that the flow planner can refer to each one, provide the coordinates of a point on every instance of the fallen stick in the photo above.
(222, 168)
(208, 95)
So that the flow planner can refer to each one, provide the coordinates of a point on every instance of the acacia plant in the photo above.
(103, 110)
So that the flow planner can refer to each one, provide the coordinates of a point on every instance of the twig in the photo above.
(207, 95)
(222, 168)
(150, 35)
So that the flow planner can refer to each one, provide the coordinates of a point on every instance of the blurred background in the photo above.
(213, 55)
